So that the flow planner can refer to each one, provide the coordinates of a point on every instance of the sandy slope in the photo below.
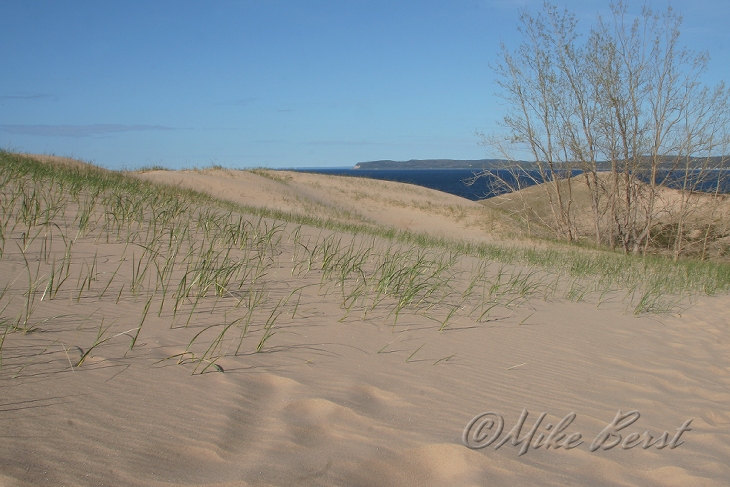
(355, 200)
(356, 399)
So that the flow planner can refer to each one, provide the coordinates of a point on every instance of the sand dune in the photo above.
(358, 392)
(347, 199)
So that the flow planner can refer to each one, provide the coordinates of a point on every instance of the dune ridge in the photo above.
(348, 199)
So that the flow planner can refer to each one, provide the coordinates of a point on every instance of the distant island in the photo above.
(432, 164)
(667, 162)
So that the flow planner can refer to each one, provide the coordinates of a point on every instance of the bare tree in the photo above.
(626, 108)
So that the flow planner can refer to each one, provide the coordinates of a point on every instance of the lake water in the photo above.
(454, 180)
(446, 180)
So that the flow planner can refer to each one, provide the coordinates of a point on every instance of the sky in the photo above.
(272, 83)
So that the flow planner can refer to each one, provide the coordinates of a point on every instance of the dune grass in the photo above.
(188, 258)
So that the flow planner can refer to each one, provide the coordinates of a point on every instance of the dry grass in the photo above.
(530, 214)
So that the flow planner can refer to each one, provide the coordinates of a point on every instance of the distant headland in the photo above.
(671, 163)
(431, 164)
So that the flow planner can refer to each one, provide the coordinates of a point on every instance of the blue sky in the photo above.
(271, 83)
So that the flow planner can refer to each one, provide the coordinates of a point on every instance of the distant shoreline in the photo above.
(719, 161)
(432, 164)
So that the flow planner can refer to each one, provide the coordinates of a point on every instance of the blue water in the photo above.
(446, 180)
(454, 180)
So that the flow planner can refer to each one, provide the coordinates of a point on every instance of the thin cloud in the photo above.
(29, 96)
(344, 142)
(77, 130)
